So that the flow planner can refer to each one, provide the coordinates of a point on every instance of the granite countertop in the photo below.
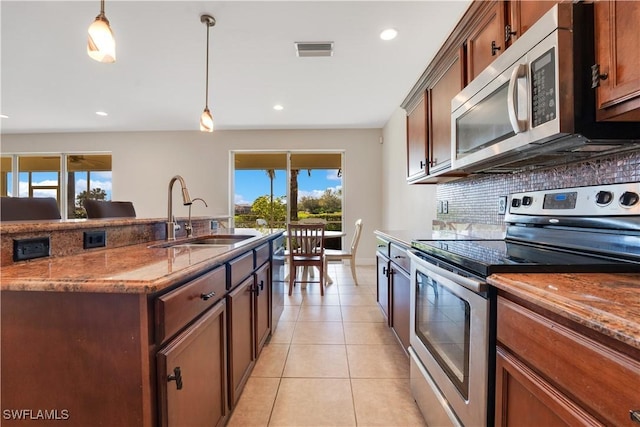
(606, 303)
(136, 268)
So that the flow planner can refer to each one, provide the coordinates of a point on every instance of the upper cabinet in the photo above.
(486, 40)
(417, 139)
(522, 15)
(618, 58)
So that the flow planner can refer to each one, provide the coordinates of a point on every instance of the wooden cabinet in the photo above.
(617, 38)
(262, 306)
(486, 40)
(382, 284)
(521, 15)
(192, 374)
(417, 140)
(550, 371)
(241, 337)
(394, 288)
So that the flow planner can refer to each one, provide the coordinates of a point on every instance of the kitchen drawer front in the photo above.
(398, 255)
(179, 307)
(382, 246)
(262, 254)
(600, 379)
(240, 268)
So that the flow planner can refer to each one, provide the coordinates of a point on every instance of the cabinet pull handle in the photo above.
(207, 296)
(596, 76)
(494, 48)
(399, 256)
(423, 164)
(177, 377)
(508, 33)
(635, 415)
(262, 285)
(384, 271)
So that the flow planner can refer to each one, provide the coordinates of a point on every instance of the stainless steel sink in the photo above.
(210, 240)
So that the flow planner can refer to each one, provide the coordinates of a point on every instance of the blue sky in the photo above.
(98, 180)
(251, 184)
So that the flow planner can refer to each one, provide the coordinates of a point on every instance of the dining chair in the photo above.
(339, 255)
(28, 208)
(108, 209)
(305, 249)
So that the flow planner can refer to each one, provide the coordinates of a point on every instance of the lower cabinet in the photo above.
(394, 288)
(552, 372)
(241, 337)
(192, 373)
(262, 307)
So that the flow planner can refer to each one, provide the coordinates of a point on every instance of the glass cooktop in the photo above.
(485, 257)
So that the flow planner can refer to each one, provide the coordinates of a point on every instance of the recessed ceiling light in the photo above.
(388, 34)
(3, 116)
(101, 113)
(278, 107)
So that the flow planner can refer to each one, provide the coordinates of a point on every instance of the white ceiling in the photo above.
(49, 84)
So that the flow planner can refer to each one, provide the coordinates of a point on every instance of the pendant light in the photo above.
(101, 45)
(206, 120)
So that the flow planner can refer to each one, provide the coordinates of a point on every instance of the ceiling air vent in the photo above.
(306, 49)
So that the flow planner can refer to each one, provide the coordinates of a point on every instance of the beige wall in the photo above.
(404, 207)
(144, 162)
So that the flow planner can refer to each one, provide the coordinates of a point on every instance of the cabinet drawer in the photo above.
(600, 379)
(262, 254)
(240, 268)
(382, 246)
(398, 255)
(179, 307)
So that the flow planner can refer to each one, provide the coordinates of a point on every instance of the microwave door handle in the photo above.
(512, 99)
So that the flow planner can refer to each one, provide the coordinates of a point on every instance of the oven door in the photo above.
(450, 337)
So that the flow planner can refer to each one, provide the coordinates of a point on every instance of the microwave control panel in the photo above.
(543, 88)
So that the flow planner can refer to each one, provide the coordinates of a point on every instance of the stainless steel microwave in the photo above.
(534, 105)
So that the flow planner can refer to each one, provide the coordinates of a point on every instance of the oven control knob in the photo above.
(527, 201)
(515, 203)
(629, 198)
(603, 198)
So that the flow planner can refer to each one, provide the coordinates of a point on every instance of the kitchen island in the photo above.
(143, 334)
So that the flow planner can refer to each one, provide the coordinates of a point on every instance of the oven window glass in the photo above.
(485, 124)
(442, 324)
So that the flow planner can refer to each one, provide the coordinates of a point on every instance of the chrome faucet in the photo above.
(186, 199)
(189, 226)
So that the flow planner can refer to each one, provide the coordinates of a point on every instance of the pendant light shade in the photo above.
(206, 119)
(101, 45)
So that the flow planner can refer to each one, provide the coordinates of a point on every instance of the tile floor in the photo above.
(332, 361)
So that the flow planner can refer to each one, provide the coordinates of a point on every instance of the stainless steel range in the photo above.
(582, 229)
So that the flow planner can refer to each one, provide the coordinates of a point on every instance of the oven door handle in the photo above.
(469, 283)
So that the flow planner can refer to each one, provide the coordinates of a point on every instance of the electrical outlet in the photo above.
(94, 239)
(31, 248)
(445, 207)
(502, 205)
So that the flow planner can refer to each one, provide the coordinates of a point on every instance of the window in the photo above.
(87, 175)
(265, 182)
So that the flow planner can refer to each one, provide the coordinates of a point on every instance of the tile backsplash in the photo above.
(475, 199)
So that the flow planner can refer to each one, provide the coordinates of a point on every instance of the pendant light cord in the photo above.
(206, 94)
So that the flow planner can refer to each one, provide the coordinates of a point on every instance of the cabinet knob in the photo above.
(177, 377)
(635, 415)
(207, 296)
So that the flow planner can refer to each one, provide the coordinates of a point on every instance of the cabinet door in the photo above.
(441, 93)
(417, 140)
(618, 54)
(262, 306)
(486, 41)
(383, 285)
(523, 14)
(401, 304)
(525, 399)
(192, 374)
(241, 337)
